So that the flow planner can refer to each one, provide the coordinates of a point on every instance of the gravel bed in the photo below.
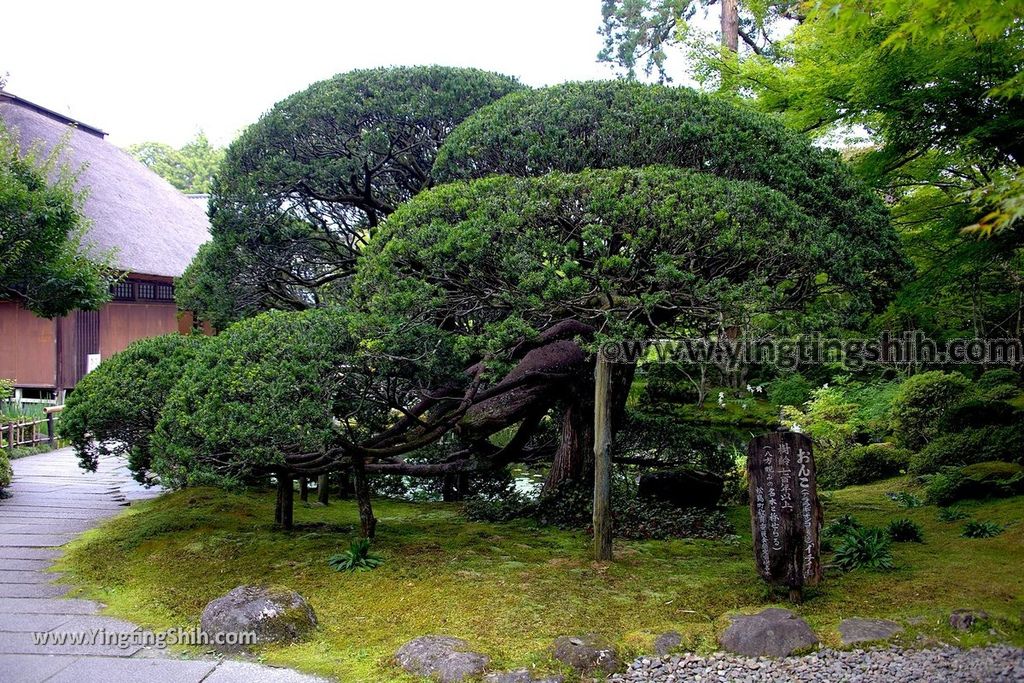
(996, 664)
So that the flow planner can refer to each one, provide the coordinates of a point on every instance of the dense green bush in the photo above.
(980, 413)
(998, 377)
(265, 387)
(922, 403)
(115, 408)
(612, 124)
(790, 390)
(571, 507)
(970, 446)
(980, 480)
(860, 465)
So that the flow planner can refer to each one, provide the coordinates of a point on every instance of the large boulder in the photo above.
(770, 633)
(587, 654)
(271, 614)
(682, 487)
(857, 630)
(444, 658)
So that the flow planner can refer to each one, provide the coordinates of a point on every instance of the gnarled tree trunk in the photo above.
(367, 522)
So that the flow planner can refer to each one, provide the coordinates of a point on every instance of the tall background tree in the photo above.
(190, 168)
(46, 261)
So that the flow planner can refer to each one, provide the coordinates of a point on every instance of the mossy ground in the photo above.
(510, 589)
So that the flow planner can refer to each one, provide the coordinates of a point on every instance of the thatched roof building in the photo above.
(153, 229)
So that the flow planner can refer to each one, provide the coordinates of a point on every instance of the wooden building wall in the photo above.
(28, 347)
(53, 354)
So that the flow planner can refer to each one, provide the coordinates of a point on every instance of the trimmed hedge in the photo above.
(970, 446)
(921, 405)
(861, 465)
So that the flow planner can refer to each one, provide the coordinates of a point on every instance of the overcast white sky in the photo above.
(163, 70)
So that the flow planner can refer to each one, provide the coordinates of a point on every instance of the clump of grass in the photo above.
(974, 529)
(905, 531)
(953, 513)
(905, 499)
(357, 558)
(864, 548)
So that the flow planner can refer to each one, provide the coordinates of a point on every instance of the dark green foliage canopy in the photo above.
(44, 259)
(301, 190)
(576, 126)
(264, 388)
(627, 251)
(114, 409)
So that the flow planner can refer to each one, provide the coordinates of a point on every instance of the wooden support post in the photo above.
(322, 493)
(10, 437)
(367, 521)
(602, 459)
(304, 489)
(50, 429)
(285, 501)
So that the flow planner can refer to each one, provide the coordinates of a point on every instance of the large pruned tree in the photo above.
(301, 191)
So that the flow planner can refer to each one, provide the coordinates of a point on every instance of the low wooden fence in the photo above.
(20, 433)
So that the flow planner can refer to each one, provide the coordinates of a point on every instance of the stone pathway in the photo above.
(51, 502)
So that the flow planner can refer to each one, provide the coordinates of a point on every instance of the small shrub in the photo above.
(974, 529)
(790, 390)
(499, 509)
(1001, 392)
(970, 446)
(5, 472)
(905, 499)
(635, 518)
(864, 548)
(357, 558)
(981, 480)
(862, 465)
(905, 531)
(841, 526)
(979, 413)
(6, 388)
(921, 404)
(998, 377)
(953, 513)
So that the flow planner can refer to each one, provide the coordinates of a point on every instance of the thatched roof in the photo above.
(155, 229)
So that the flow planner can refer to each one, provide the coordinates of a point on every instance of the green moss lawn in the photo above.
(510, 589)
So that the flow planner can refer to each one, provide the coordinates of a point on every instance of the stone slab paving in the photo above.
(51, 502)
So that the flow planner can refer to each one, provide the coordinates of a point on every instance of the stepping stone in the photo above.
(243, 672)
(857, 630)
(32, 668)
(15, 553)
(48, 606)
(131, 670)
(35, 540)
(667, 642)
(24, 576)
(32, 590)
(32, 623)
(770, 633)
(67, 643)
(587, 654)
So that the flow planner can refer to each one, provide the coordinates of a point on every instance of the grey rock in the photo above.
(858, 630)
(587, 654)
(518, 676)
(442, 657)
(964, 619)
(274, 614)
(667, 642)
(772, 632)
